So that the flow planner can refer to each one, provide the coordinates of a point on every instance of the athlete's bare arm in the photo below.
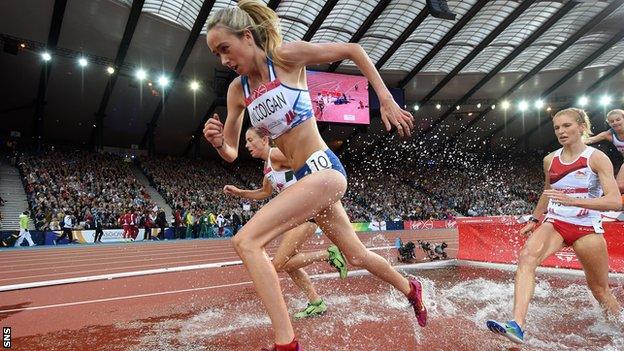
(252, 194)
(302, 53)
(225, 137)
(606, 135)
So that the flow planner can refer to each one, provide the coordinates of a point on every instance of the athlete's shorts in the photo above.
(570, 232)
(318, 161)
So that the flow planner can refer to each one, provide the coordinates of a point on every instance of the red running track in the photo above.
(210, 309)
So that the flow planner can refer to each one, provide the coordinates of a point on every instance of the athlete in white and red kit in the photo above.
(126, 223)
(579, 184)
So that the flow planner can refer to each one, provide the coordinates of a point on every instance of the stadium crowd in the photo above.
(61, 182)
(79, 183)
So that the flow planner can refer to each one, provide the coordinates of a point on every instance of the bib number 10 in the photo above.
(318, 161)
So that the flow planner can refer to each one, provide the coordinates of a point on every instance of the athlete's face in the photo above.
(235, 52)
(255, 143)
(616, 121)
(567, 129)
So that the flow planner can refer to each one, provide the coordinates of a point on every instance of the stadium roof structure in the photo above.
(494, 50)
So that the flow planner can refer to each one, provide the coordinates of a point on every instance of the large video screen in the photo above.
(339, 98)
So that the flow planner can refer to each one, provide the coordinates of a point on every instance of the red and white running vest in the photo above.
(578, 180)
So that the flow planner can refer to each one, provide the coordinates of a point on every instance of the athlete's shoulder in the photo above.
(291, 49)
(293, 54)
(548, 158)
(235, 92)
(597, 154)
(236, 84)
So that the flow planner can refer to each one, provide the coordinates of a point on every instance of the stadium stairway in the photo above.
(153, 193)
(12, 191)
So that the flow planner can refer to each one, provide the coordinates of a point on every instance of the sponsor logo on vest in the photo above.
(580, 175)
(259, 91)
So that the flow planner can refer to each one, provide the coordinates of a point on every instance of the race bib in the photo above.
(318, 161)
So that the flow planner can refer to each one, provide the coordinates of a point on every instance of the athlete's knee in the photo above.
(243, 244)
(528, 259)
(279, 264)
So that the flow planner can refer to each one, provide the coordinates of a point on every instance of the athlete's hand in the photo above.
(393, 115)
(528, 228)
(231, 190)
(213, 131)
(560, 197)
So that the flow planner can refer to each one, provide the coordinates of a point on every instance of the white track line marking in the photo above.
(120, 298)
(116, 275)
(110, 276)
(361, 272)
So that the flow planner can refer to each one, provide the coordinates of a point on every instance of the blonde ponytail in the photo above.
(255, 16)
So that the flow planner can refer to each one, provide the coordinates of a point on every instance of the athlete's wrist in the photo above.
(386, 99)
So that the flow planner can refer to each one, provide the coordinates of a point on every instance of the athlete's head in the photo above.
(256, 142)
(235, 34)
(571, 125)
(615, 118)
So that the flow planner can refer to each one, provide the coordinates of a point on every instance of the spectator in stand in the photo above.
(55, 224)
(189, 220)
(236, 222)
(68, 226)
(245, 217)
(221, 224)
(177, 224)
(24, 233)
(212, 219)
(161, 222)
(196, 225)
(2, 202)
(148, 223)
(203, 226)
(124, 221)
(134, 223)
(97, 224)
(40, 221)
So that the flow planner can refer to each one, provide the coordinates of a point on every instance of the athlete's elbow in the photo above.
(230, 157)
(615, 204)
(354, 50)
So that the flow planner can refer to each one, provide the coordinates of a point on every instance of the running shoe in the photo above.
(511, 330)
(274, 348)
(415, 298)
(337, 260)
(313, 309)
